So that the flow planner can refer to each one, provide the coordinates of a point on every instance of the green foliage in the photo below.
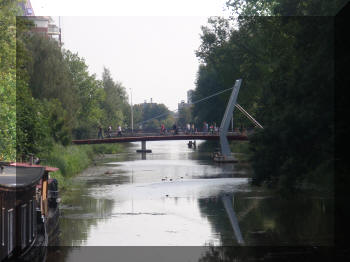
(74, 159)
(185, 116)
(70, 160)
(32, 124)
(89, 96)
(298, 139)
(169, 121)
(151, 116)
(49, 73)
(57, 119)
(8, 11)
(286, 64)
(285, 7)
(240, 147)
(58, 99)
(114, 102)
(208, 83)
(106, 148)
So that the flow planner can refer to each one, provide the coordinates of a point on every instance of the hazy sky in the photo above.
(149, 48)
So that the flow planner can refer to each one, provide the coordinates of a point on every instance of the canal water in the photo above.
(177, 196)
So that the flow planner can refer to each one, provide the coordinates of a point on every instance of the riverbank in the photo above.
(319, 181)
(241, 150)
(71, 160)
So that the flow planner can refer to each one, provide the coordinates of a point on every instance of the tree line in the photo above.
(49, 97)
(57, 98)
(286, 62)
(7, 80)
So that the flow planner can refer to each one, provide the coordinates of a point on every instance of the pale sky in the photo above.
(149, 46)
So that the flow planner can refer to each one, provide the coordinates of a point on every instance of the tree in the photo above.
(151, 115)
(49, 74)
(285, 7)
(287, 68)
(115, 101)
(185, 116)
(89, 93)
(8, 80)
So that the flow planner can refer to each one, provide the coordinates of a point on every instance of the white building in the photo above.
(43, 25)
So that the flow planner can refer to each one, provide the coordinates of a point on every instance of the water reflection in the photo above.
(228, 204)
(177, 196)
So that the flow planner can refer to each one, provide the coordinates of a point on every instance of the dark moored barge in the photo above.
(28, 211)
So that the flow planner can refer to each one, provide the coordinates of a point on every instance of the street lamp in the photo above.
(132, 115)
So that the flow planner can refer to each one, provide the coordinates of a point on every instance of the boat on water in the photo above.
(224, 159)
(220, 158)
(28, 210)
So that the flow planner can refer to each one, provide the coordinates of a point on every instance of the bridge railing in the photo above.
(169, 133)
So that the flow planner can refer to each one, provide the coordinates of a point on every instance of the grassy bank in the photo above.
(71, 160)
(241, 147)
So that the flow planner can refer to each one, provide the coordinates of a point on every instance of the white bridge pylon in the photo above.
(232, 103)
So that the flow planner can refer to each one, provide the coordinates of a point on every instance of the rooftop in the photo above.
(20, 176)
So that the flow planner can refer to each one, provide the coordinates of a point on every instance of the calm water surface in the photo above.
(176, 196)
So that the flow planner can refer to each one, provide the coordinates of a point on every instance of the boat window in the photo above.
(10, 230)
(3, 226)
(34, 218)
(30, 224)
(24, 225)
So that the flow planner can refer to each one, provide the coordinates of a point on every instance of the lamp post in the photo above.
(132, 115)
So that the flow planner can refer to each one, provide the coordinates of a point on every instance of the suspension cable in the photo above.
(195, 102)
(252, 119)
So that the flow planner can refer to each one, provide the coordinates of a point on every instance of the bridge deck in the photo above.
(124, 139)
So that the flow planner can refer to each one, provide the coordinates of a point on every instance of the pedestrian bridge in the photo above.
(139, 137)
(223, 134)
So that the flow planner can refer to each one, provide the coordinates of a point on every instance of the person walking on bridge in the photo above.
(175, 129)
(162, 129)
(205, 127)
(216, 129)
(109, 131)
(192, 128)
(100, 135)
(119, 131)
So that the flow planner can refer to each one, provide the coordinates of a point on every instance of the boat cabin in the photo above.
(19, 205)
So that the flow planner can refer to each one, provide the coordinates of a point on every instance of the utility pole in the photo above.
(132, 113)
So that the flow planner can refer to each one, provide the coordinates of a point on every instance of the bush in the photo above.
(71, 160)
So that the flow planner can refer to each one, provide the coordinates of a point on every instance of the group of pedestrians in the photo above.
(109, 132)
(212, 128)
(190, 129)
(163, 129)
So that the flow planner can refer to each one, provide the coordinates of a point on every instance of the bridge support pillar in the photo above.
(226, 155)
(143, 148)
